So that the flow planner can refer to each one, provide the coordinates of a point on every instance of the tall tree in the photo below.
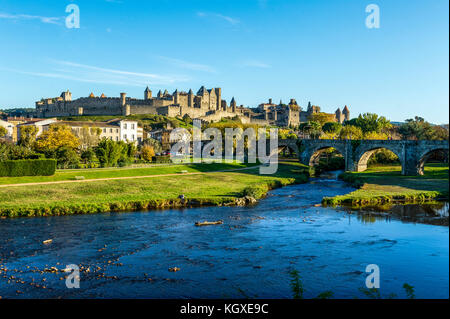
(418, 129)
(3, 132)
(55, 137)
(321, 118)
(351, 132)
(371, 122)
(27, 135)
(109, 152)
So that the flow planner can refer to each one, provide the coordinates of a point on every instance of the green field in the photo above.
(145, 193)
(96, 173)
(385, 184)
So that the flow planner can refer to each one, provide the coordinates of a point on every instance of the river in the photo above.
(128, 255)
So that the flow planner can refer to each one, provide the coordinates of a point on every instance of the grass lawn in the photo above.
(94, 173)
(381, 184)
(145, 193)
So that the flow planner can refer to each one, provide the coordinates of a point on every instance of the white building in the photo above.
(39, 123)
(9, 129)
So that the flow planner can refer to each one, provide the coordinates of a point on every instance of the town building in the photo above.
(114, 130)
(38, 123)
(10, 128)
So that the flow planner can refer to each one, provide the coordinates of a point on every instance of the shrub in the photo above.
(162, 159)
(147, 153)
(37, 167)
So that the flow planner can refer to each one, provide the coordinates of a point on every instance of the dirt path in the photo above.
(125, 177)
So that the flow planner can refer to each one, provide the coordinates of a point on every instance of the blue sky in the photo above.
(318, 51)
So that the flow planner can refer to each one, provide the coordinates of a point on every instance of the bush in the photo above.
(147, 153)
(38, 167)
(161, 159)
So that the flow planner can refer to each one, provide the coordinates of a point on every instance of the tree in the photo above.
(375, 136)
(440, 133)
(371, 122)
(313, 129)
(351, 132)
(66, 157)
(88, 155)
(322, 118)
(332, 127)
(147, 153)
(55, 137)
(417, 129)
(89, 136)
(3, 132)
(27, 135)
(109, 152)
(9, 151)
(187, 119)
(157, 147)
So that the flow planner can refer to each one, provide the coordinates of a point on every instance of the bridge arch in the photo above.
(363, 153)
(291, 149)
(315, 155)
(289, 144)
(425, 156)
(312, 149)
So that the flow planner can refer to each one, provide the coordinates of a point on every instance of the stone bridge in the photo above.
(412, 154)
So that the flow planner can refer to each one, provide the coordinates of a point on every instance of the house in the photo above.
(38, 123)
(114, 130)
(9, 129)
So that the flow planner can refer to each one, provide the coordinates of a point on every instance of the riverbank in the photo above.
(384, 185)
(205, 188)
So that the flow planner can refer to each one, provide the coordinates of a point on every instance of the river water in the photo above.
(128, 255)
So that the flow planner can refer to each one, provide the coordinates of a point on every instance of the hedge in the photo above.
(161, 159)
(36, 167)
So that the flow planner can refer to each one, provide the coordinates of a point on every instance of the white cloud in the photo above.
(230, 20)
(188, 65)
(50, 20)
(94, 74)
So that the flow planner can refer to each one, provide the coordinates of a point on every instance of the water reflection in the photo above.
(433, 214)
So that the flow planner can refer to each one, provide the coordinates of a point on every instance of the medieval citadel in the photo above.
(206, 104)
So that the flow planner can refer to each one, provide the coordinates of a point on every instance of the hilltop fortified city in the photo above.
(206, 104)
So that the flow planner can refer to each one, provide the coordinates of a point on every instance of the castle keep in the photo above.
(206, 104)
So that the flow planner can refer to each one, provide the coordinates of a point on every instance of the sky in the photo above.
(319, 51)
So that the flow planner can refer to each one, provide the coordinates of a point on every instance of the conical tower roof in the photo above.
(345, 110)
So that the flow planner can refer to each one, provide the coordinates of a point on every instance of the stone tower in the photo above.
(219, 98)
(67, 96)
(147, 94)
(176, 96)
(233, 104)
(190, 98)
(346, 113)
(123, 98)
(338, 115)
